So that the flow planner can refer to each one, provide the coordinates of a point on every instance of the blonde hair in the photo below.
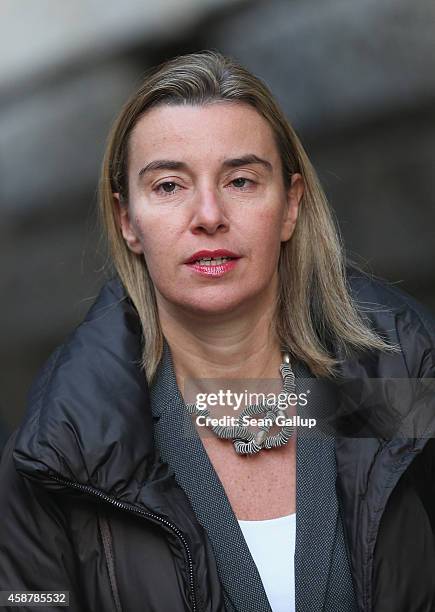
(315, 313)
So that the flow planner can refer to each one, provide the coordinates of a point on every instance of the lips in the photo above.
(216, 254)
(212, 264)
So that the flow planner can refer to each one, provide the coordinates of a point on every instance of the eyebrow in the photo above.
(236, 162)
(247, 160)
(162, 164)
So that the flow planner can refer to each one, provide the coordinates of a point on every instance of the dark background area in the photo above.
(355, 78)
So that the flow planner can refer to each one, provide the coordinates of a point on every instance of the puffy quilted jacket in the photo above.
(87, 506)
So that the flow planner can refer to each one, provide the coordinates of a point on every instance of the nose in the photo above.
(209, 214)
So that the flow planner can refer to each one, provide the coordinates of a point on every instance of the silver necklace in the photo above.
(247, 442)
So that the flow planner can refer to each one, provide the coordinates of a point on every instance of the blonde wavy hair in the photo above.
(315, 313)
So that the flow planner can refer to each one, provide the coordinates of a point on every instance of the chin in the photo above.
(209, 305)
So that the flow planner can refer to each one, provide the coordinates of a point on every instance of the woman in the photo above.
(228, 267)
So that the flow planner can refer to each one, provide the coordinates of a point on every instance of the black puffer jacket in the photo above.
(87, 506)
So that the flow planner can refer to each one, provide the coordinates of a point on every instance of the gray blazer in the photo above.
(323, 581)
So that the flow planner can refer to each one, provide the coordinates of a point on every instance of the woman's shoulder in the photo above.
(375, 294)
(88, 403)
(399, 317)
(20, 497)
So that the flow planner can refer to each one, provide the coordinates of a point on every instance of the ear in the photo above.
(127, 228)
(294, 197)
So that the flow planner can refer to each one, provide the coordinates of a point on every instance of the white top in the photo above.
(272, 546)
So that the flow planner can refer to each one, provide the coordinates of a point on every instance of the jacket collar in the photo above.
(83, 421)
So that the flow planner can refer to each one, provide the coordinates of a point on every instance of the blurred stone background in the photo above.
(355, 77)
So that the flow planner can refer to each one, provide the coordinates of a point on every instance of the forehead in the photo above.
(215, 131)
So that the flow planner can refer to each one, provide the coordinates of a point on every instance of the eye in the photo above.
(241, 182)
(168, 187)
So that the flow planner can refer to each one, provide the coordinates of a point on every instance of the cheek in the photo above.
(158, 240)
(267, 228)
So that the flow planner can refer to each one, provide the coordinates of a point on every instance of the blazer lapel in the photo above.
(316, 500)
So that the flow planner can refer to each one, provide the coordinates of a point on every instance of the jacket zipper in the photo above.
(138, 511)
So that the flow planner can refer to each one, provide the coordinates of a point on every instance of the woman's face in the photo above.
(205, 184)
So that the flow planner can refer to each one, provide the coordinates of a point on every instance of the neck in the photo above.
(231, 345)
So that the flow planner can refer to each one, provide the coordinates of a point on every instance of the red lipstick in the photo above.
(213, 263)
